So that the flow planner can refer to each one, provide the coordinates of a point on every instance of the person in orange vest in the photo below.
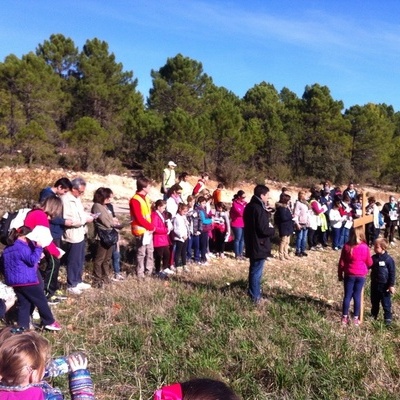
(142, 228)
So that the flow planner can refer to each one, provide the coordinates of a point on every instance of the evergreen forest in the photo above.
(79, 109)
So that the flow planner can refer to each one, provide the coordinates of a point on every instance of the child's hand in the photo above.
(340, 277)
(77, 361)
(391, 290)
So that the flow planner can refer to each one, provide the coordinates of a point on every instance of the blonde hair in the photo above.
(382, 243)
(20, 354)
(52, 206)
(357, 236)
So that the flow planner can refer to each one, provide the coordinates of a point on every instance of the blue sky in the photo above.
(353, 47)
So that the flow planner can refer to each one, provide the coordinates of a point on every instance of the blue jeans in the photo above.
(255, 275)
(344, 236)
(352, 290)
(336, 237)
(301, 240)
(238, 243)
(116, 258)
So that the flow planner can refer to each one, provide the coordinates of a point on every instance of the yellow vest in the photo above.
(145, 209)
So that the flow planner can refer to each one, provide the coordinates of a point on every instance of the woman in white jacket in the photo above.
(181, 236)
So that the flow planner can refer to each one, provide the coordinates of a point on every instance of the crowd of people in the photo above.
(187, 226)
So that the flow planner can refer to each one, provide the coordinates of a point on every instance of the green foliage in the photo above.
(187, 119)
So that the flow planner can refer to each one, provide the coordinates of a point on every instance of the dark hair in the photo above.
(260, 190)
(204, 174)
(200, 199)
(222, 205)
(107, 193)
(159, 203)
(220, 186)
(141, 183)
(239, 193)
(15, 233)
(183, 175)
(182, 206)
(315, 194)
(65, 183)
(99, 196)
(173, 188)
(284, 198)
(206, 389)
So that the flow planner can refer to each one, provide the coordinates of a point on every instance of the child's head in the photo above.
(220, 206)
(182, 208)
(15, 233)
(196, 389)
(380, 245)
(23, 358)
(190, 200)
(160, 205)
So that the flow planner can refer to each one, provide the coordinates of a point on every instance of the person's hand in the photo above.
(340, 277)
(391, 290)
(89, 219)
(77, 361)
(69, 222)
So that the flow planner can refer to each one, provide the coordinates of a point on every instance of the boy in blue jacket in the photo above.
(383, 274)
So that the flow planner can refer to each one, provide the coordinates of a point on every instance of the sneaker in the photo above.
(298, 254)
(168, 271)
(313, 248)
(345, 320)
(304, 254)
(53, 300)
(388, 322)
(60, 294)
(356, 321)
(172, 268)
(204, 263)
(55, 326)
(35, 314)
(186, 269)
(74, 290)
(222, 255)
(336, 248)
(392, 243)
(83, 286)
(118, 277)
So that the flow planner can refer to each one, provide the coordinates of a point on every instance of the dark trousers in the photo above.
(75, 259)
(102, 265)
(203, 246)
(50, 272)
(380, 295)
(389, 230)
(30, 297)
(180, 253)
(219, 241)
(312, 238)
(161, 255)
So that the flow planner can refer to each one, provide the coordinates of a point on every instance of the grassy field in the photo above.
(140, 335)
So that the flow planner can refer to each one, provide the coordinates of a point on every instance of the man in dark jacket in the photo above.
(257, 233)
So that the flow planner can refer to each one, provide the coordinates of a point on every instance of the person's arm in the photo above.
(136, 212)
(392, 274)
(204, 219)
(80, 382)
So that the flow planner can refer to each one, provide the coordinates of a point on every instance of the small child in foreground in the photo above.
(23, 359)
(383, 274)
(196, 389)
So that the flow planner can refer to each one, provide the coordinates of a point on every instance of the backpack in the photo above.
(11, 220)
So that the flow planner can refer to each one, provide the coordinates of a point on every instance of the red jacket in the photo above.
(160, 234)
(355, 260)
(39, 218)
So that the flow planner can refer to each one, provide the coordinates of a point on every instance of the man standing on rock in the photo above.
(142, 228)
(257, 233)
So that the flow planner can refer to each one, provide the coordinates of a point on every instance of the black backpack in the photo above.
(6, 221)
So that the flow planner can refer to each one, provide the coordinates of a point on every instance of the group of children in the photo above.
(182, 234)
(354, 263)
